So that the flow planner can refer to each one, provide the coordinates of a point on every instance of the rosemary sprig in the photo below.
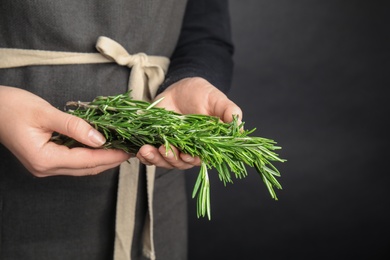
(128, 124)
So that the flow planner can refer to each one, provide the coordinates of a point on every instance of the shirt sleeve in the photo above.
(205, 47)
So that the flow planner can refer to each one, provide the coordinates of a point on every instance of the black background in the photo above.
(314, 76)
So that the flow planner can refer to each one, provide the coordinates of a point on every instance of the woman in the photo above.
(72, 214)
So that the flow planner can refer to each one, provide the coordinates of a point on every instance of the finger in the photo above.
(195, 161)
(145, 154)
(149, 155)
(80, 172)
(227, 109)
(54, 157)
(221, 106)
(172, 156)
(75, 128)
(77, 158)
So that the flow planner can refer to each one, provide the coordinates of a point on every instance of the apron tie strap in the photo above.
(145, 70)
(147, 74)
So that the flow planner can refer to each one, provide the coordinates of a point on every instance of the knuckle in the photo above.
(143, 161)
(183, 166)
(93, 172)
(39, 163)
(170, 167)
(73, 124)
(38, 168)
(92, 163)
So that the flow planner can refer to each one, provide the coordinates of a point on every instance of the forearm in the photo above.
(205, 47)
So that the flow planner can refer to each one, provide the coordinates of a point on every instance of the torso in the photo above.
(41, 217)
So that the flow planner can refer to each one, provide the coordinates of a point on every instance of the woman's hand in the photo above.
(27, 125)
(189, 96)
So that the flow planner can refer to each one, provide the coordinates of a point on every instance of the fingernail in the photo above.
(188, 158)
(96, 137)
(145, 162)
(149, 156)
(169, 154)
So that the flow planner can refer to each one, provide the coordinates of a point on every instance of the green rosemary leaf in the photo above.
(129, 124)
(154, 103)
(197, 185)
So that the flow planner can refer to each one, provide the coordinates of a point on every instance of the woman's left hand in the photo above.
(188, 96)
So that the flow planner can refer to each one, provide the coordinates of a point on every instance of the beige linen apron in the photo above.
(147, 73)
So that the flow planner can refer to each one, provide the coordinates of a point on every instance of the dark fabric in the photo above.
(56, 217)
(74, 217)
(73, 25)
(170, 200)
(152, 27)
(170, 215)
(140, 216)
(205, 46)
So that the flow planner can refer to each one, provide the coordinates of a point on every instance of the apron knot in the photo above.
(147, 72)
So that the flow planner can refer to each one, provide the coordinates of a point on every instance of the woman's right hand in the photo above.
(26, 128)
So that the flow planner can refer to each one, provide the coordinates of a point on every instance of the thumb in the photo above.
(76, 128)
(232, 109)
(225, 109)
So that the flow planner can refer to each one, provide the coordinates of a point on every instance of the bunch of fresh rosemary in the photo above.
(128, 124)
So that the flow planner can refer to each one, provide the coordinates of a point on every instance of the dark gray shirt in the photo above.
(73, 218)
